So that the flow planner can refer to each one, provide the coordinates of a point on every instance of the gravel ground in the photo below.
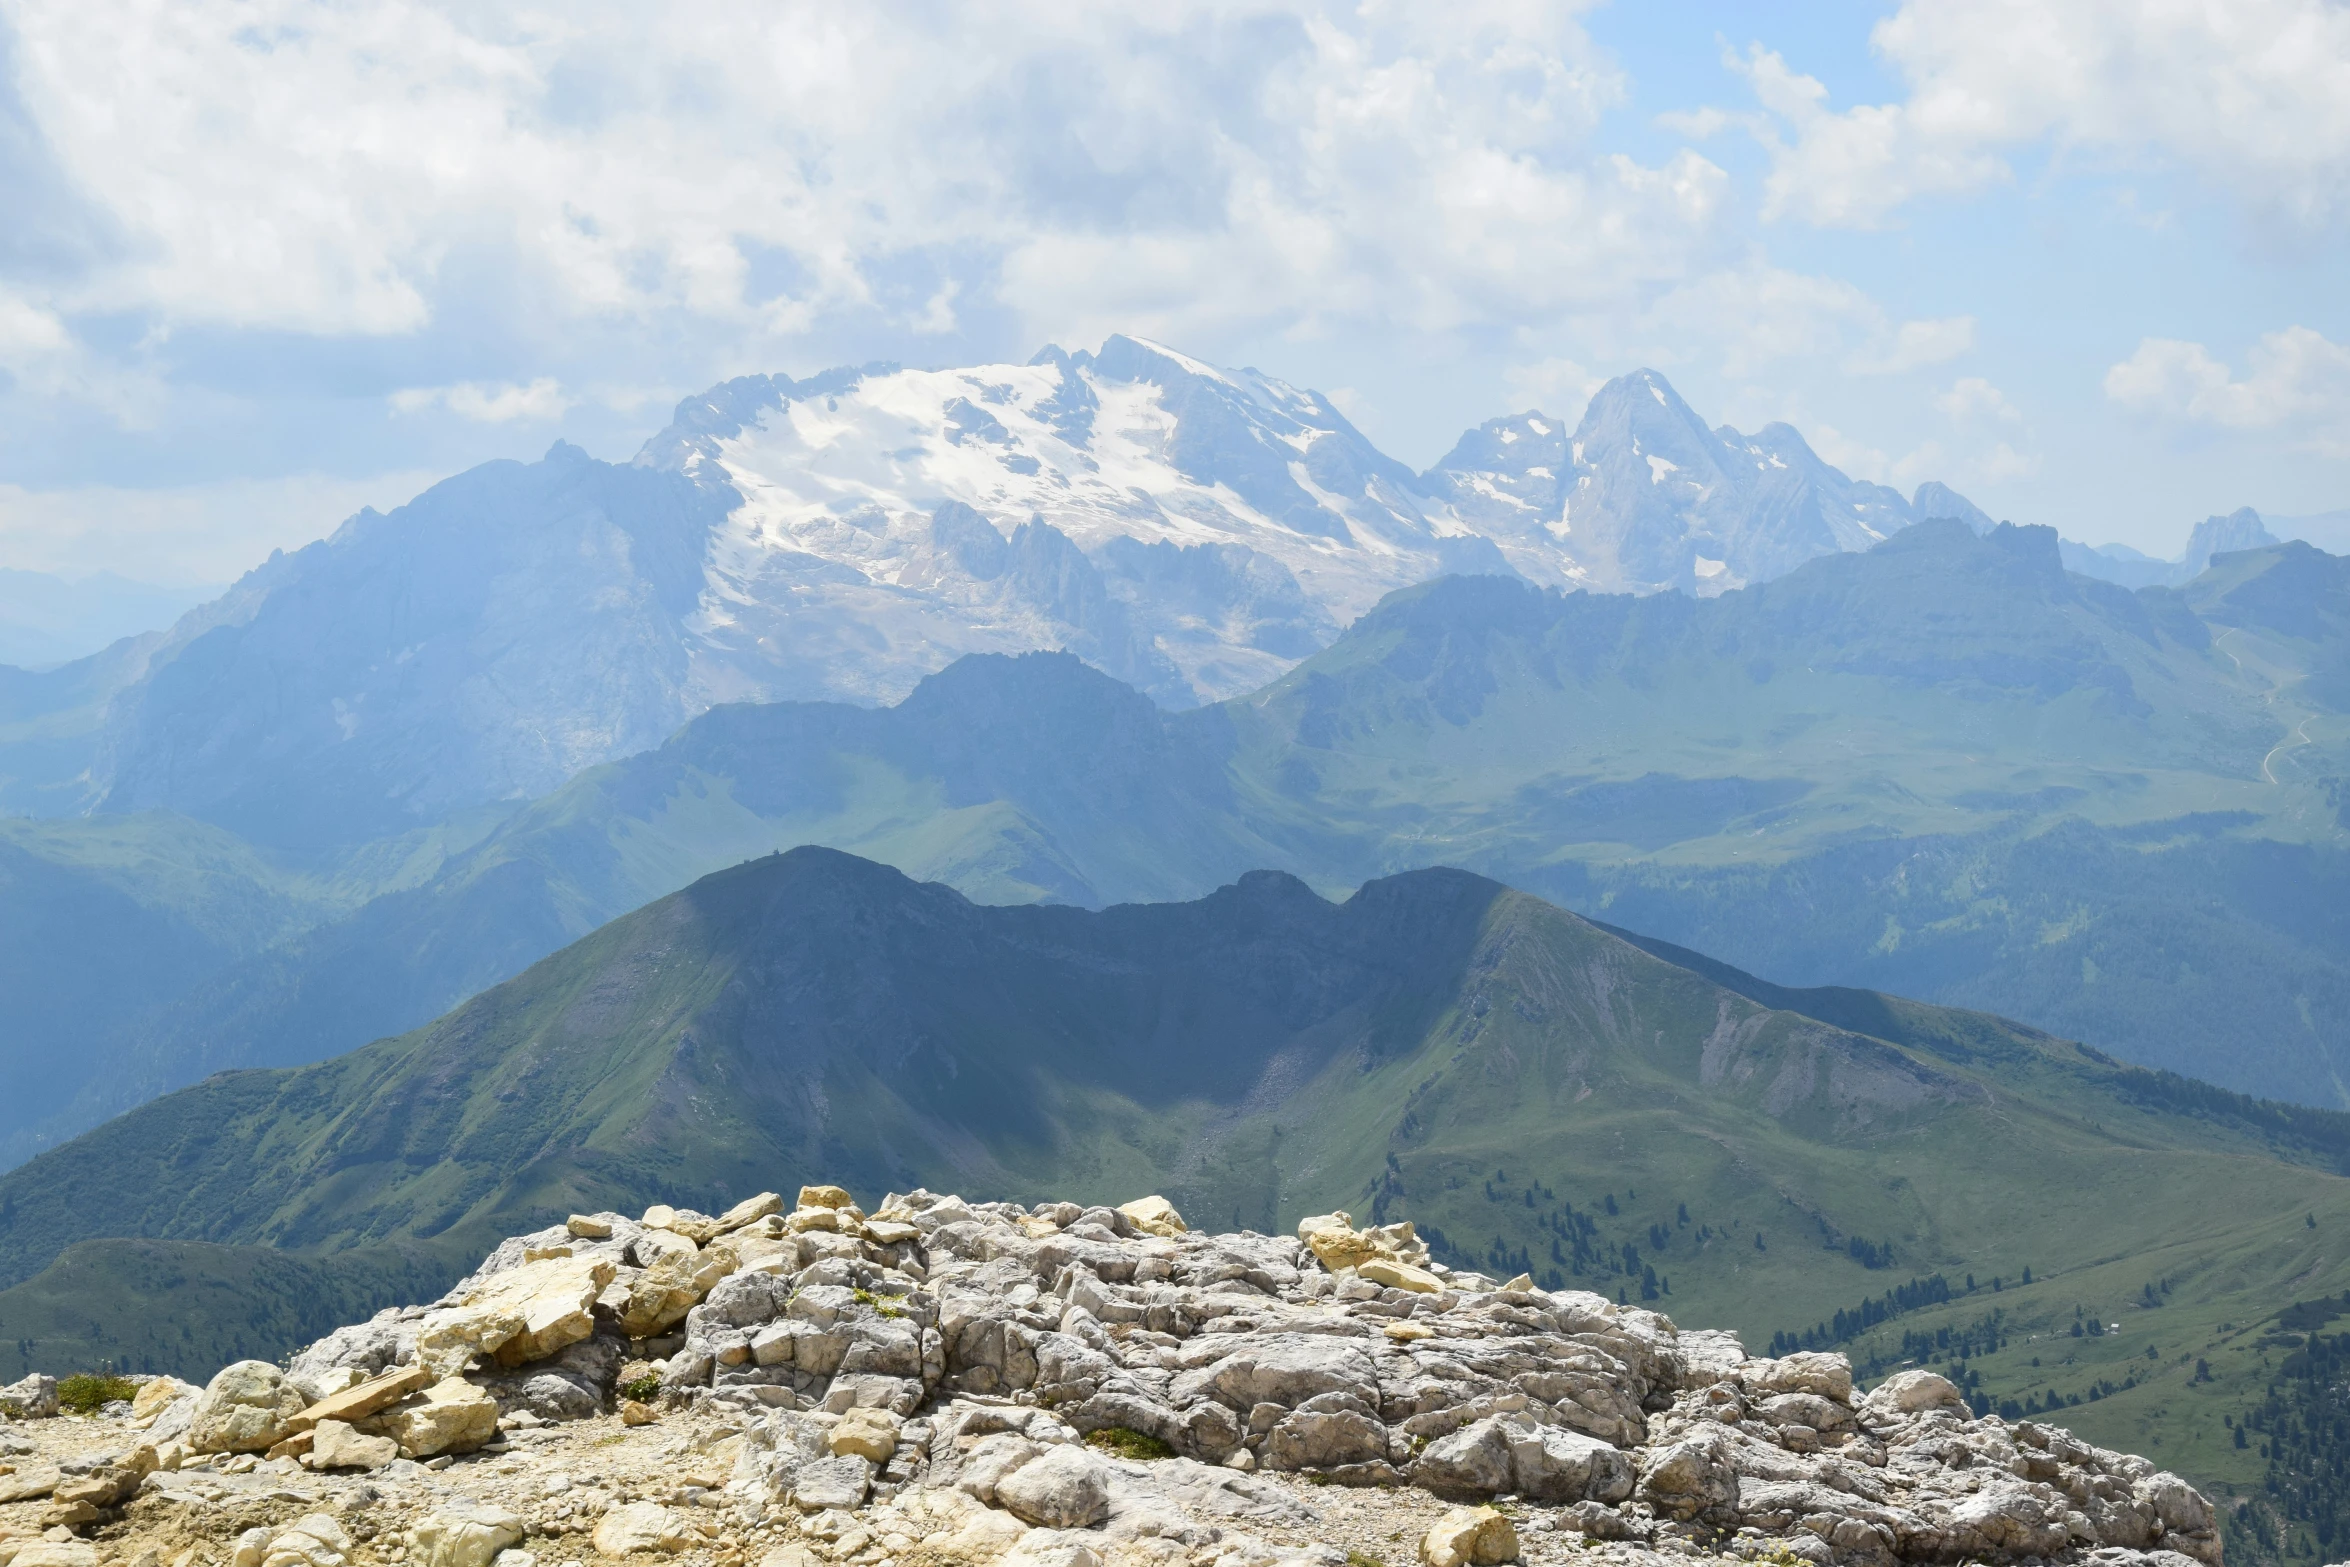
(561, 1480)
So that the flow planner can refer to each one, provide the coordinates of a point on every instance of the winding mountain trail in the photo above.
(2300, 734)
(2299, 737)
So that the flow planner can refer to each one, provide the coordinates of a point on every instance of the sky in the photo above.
(263, 263)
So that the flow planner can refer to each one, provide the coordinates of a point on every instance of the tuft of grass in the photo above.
(1355, 1558)
(85, 1393)
(644, 1389)
(1123, 1443)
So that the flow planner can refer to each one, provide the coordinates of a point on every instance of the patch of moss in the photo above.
(85, 1393)
(1129, 1444)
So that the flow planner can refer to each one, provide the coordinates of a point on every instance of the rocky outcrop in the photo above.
(32, 1398)
(1054, 1380)
(248, 1408)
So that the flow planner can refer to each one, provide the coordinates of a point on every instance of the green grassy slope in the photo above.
(114, 928)
(52, 722)
(1945, 768)
(1014, 779)
(188, 1308)
(103, 918)
(1514, 1078)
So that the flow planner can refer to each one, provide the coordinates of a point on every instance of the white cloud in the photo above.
(2253, 96)
(938, 314)
(1750, 319)
(1994, 464)
(40, 355)
(2003, 462)
(30, 337)
(1915, 345)
(1973, 406)
(485, 402)
(1559, 387)
(2296, 381)
(1855, 457)
(340, 170)
(1971, 397)
(1848, 170)
(1925, 461)
(192, 533)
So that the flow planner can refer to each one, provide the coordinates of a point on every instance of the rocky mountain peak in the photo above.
(1936, 499)
(1641, 404)
(1641, 496)
(1066, 1382)
(2240, 529)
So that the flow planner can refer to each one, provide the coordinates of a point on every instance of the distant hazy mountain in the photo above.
(2118, 564)
(52, 620)
(1946, 767)
(101, 920)
(1936, 499)
(1192, 531)
(1015, 779)
(2240, 529)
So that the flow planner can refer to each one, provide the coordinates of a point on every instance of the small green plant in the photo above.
(1316, 1477)
(883, 1305)
(1363, 1559)
(85, 1393)
(1137, 1445)
(643, 1389)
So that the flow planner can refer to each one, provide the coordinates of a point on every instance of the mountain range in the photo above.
(2241, 529)
(1945, 767)
(1204, 796)
(1537, 1092)
(1191, 531)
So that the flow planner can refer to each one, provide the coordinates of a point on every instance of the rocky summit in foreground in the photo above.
(944, 1381)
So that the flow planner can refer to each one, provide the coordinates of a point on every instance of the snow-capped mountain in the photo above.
(1195, 530)
(1641, 496)
(1191, 530)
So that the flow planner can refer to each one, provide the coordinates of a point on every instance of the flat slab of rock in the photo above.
(641, 1527)
(367, 1398)
(465, 1534)
(335, 1445)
